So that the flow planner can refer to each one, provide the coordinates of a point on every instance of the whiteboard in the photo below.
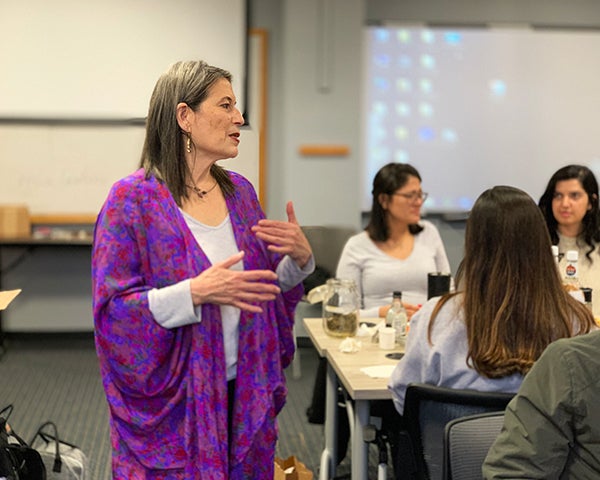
(69, 168)
(78, 59)
(65, 169)
(471, 108)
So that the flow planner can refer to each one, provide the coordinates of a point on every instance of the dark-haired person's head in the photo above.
(505, 235)
(570, 205)
(397, 197)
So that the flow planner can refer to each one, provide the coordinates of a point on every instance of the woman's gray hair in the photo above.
(163, 153)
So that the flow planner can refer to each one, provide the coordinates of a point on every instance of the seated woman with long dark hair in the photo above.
(509, 304)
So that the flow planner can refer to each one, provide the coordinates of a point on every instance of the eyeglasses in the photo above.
(413, 196)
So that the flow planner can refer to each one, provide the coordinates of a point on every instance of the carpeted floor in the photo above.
(56, 377)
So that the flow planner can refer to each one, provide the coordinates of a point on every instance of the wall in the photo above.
(303, 111)
(574, 13)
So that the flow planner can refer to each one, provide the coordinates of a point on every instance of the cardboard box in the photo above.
(6, 297)
(291, 469)
(14, 221)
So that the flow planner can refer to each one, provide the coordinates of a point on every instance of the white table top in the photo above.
(359, 385)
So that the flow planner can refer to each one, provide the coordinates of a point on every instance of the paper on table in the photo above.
(379, 371)
(7, 297)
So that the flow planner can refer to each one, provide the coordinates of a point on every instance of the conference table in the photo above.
(345, 369)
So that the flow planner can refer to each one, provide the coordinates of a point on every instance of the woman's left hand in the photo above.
(286, 238)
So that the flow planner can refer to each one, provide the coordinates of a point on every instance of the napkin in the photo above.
(379, 371)
(349, 345)
(364, 331)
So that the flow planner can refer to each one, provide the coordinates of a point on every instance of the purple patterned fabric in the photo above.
(167, 389)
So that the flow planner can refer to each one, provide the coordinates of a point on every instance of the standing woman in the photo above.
(194, 294)
(397, 249)
(570, 207)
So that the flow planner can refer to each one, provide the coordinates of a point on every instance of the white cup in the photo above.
(387, 338)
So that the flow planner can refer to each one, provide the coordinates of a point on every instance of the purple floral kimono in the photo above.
(167, 389)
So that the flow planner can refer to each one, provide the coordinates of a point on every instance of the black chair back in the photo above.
(427, 410)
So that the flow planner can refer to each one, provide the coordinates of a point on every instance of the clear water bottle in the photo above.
(397, 317)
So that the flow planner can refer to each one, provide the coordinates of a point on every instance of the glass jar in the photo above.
(341, 306)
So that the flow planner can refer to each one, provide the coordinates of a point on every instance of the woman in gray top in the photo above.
(397, 249)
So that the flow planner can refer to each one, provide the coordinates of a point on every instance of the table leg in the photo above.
(329, 455)
(360, 448)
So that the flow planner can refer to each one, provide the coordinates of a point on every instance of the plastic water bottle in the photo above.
(397, 317)
(571, 277)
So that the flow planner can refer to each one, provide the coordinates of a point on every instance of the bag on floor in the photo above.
(63, 460)
(18, 461)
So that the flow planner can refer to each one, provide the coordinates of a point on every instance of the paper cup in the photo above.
(387, 338)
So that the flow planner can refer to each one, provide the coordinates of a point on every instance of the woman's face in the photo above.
(404, 205)
(215, 124)
(570, 203)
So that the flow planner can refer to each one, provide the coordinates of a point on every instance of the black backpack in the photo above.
(18, 461)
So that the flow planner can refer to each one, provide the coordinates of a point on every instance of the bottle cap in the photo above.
(572, 255)
(397, 293)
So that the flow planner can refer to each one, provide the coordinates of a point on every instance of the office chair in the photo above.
(427, 410)
(467, 441)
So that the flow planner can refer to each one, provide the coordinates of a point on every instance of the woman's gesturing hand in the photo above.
(242, 289)
(286, 238)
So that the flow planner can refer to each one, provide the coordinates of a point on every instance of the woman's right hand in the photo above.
(242, 289)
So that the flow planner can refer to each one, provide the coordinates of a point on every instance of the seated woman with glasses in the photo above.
(397, 249)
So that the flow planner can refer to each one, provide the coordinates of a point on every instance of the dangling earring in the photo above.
(188, 144)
